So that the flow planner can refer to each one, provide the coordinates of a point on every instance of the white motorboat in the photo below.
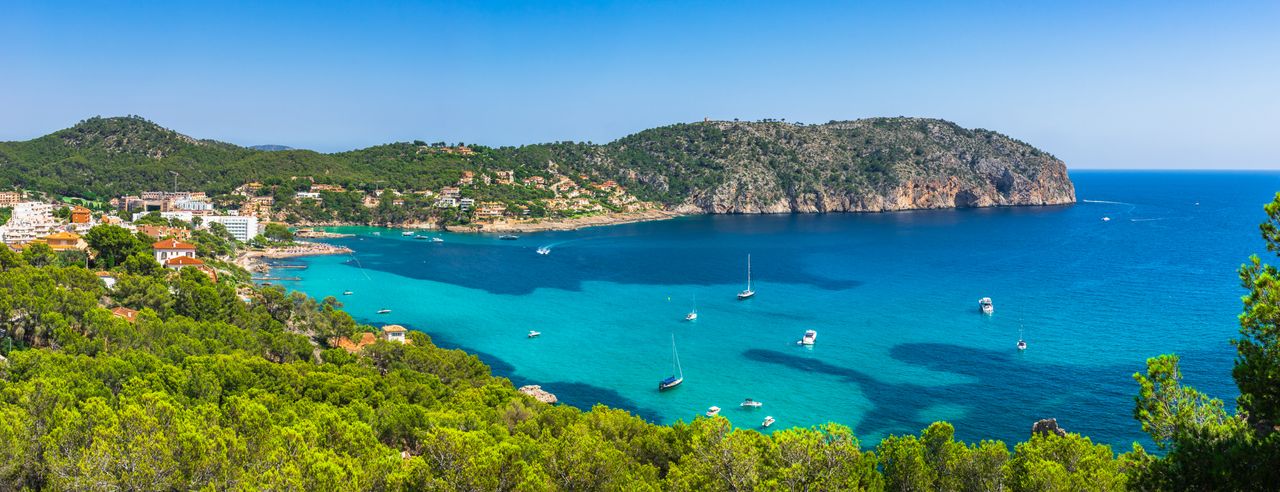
(384, 311)
(768, 421)
(985, 305)
(1106, 219)
(347, 293)
(749, 403)
(810, 336)
(437, 240)
(748, 293)
(544, 250)
(693, 315)
(713, 411)
(534, 334)
(406, 233)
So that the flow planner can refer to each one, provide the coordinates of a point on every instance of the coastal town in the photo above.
(549, 201)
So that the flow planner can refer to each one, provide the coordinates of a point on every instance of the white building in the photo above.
(184, 216)
(241, 227)
(307, 195)
(193, 205)
(28, 222)
(172, 248)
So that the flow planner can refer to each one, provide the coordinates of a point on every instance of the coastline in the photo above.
(567, 224)
(254, 260)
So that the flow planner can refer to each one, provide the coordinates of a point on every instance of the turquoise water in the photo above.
(893, 297)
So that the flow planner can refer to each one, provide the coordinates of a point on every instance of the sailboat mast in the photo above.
(675, 358)
(748, 272)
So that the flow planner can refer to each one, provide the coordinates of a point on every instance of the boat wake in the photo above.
(1106, 201)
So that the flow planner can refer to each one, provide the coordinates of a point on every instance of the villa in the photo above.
(395, 333)
(173, 248)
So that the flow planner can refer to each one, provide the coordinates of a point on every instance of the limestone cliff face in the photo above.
(871, 165)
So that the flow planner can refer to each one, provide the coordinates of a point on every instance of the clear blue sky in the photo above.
(1099, 84)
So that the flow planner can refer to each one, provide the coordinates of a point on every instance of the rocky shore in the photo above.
(252, 260)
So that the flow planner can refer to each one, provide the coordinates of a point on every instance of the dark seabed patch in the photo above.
(1006, 394)
(580, 395)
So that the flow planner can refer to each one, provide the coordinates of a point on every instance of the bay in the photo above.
(893, 297)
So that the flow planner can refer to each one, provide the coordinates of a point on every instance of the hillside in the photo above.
(717, 167)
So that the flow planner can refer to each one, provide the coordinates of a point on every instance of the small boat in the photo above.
(421, 238)
(347, 292)
(748, 293)
(985, 305)
(1022, 344)
(437, 240)
(810, 336)
(544, 250)
(749, 403)
(377, 233)
(534, 334)
(693, 315)
(508, 237)
(713, 411)
(677, 378)
(768, 421)
(406, 233)
(1106, 219)
(384, 311)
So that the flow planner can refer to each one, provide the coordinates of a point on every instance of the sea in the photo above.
(1144, 264)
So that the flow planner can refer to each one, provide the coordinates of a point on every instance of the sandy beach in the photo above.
(567, 224)
(252, 260)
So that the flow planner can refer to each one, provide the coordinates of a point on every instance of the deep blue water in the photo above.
(893, 297)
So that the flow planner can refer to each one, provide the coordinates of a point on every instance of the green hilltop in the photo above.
(714, 166)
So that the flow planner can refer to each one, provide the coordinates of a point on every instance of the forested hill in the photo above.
(718, 166)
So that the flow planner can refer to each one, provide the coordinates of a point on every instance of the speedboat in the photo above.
(534, 334)
(347, 292)
(437, 240)
(384, 311)
(692, 316)
(544, 250)
(508, 237)
(713, 411)
(985, 305)
(749, 403)
(406, 233)
(768, 421)
(810, 336)
(421, 238)
(1106, 219)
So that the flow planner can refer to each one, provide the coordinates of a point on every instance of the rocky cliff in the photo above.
(868, 165)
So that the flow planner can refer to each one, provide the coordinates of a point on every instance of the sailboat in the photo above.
(693, 315)
(747, 294)
(1022, 344)
(676, 378)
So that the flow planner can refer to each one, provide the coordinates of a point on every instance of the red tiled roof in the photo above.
(172, 244)
(126, 313)
(182, 261)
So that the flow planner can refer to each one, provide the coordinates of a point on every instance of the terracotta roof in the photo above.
(394, 329)
(70, 236)
(172, 244)
(103, 273)
(182, 261)
(353, 347)
(128, 314)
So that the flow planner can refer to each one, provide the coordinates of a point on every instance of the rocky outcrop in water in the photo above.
(1046, 427)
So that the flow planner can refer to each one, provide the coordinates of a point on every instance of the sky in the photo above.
(1098, 84)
